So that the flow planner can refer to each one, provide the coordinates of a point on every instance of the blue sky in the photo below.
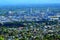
(24, 2)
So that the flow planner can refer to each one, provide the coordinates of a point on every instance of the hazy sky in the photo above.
(19, 2)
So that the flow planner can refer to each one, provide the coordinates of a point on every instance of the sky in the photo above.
(25, 2)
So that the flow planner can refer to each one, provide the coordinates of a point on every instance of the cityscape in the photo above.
(29, 14)
(30, 23)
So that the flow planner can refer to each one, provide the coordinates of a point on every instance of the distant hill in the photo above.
(33, 5)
